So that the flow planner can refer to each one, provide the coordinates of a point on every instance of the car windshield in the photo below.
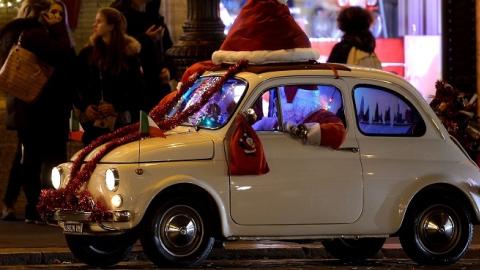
(218, 110)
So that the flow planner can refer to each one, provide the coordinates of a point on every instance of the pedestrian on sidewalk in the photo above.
(110, 85)
(357, 46)
(42, 126)
(145, 24)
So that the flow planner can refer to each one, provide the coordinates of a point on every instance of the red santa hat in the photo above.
(265, 32)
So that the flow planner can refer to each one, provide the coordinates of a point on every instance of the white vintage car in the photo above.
(397, 173)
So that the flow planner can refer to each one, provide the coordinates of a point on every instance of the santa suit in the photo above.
(325, 128)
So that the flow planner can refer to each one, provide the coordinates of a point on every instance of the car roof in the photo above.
(314, 68)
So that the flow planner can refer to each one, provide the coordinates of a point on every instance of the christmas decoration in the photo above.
(246, 155)
(265, 32)
(75, 196)
(456, 110)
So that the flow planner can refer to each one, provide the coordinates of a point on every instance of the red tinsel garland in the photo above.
(75, 197)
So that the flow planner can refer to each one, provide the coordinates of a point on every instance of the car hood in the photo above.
(176, 146)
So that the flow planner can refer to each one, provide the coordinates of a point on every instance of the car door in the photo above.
(396, 148)
(306, 184)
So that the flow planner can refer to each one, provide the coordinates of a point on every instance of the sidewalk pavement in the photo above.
(26, 244)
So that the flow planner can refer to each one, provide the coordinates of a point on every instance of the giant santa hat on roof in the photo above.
(265, 32)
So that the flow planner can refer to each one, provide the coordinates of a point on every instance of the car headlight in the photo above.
(112, 179)
(56, 177)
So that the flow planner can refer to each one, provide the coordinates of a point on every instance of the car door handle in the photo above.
(349, 149)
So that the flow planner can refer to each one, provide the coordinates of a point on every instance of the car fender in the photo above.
(164, 184)
(469, 192)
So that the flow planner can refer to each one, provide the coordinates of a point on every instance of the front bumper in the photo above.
(78, 222)
(78, 216)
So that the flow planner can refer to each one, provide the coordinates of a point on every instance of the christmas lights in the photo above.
(9, 3)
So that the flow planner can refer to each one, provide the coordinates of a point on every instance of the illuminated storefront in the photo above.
(408, 33)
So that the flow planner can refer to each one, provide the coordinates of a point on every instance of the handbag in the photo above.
(23, 75)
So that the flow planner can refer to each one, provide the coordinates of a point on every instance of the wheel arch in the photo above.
(442, 189)
(189, 190)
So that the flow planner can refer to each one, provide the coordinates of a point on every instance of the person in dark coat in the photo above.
(110, 85)
(355, 23)
(42, 126)
(146, 25)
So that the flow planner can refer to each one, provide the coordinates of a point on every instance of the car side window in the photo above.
(265, 108)
(298, 102)
(382, 112)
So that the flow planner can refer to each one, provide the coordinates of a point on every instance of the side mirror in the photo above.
(250, 116)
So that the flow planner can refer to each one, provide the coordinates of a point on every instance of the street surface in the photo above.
(330, 264)
(29, 246)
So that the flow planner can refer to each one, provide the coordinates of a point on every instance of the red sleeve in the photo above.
(333, 130)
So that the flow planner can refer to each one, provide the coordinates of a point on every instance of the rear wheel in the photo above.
(353, 249)
(436, 231)
(100, 251)
(178, 234)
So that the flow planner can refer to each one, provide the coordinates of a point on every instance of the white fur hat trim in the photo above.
(265, 57)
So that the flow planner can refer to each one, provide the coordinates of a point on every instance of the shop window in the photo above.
(407, 32)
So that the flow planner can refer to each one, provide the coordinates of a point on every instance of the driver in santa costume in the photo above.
(265, 32)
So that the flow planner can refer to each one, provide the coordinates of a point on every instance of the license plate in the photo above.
(73, 227)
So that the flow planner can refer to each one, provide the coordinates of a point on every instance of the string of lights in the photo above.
(9, 3)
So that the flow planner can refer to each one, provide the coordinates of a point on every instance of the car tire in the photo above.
(100, 251)
(436, 231)
(177, 234)
(353, 249)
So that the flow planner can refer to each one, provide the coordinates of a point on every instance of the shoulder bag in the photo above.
(23, 75)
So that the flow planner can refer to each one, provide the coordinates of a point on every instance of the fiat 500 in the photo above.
(396, 173)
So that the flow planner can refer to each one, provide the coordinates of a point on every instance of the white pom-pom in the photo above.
(282, 1)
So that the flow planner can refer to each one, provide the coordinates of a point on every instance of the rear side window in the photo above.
(382, 112)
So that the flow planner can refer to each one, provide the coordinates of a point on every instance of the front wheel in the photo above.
(100, 251)
(353, 249)
(436, 231)
(177, 234)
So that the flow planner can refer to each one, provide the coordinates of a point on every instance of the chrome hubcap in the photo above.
(439, 230)
(181, 230)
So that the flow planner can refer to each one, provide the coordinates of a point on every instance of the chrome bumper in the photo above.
(77, 216)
